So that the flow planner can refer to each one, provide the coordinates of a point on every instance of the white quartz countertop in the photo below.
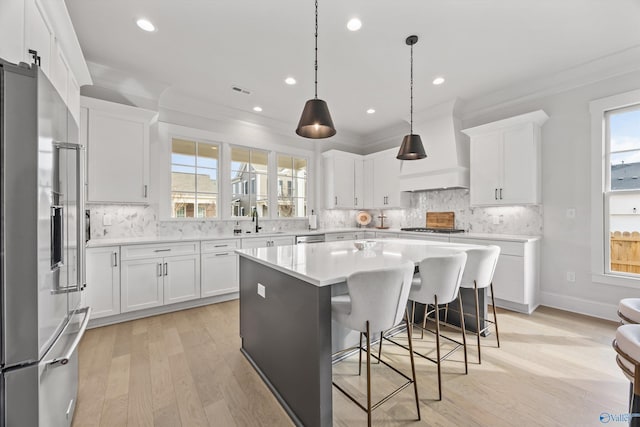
(323, 264)
(101, 242)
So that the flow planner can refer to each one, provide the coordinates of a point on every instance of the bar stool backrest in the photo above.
(439, 276)
(379, 296)
(481, 264)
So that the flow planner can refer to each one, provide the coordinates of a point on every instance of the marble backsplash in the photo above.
(142, 221)
(523, 220)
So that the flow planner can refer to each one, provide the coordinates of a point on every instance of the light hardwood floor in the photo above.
(185, 369)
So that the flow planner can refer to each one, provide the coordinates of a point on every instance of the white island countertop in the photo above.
(328, 263)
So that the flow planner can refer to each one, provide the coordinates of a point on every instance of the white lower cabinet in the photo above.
(142, 284)
(102, 293)
(155, 275)
(219, 266)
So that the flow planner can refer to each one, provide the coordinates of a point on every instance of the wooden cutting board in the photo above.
(441, 220)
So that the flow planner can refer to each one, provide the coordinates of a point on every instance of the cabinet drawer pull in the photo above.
(495, 194)
(145, 191)
(162, 250)
(159, 270)
(340, 237)
(223, 254)
(115, 259)
(356, 201)
(166, 269)
(501, 194)
(220, 246)
(336, 201)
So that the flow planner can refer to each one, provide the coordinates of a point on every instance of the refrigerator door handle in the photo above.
(64, 359)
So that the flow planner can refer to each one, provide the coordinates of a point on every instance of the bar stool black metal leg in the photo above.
(464, 335)
(475, 288)
(368, 376)
(360, 356)
(413, 366)
(438, 346)
(495, 317)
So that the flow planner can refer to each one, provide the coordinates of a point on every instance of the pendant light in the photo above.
(315, 121)
(411, 148)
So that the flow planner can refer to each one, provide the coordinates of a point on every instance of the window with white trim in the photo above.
(194, 179)
(622, 190)
(292, 186)
(249, 182)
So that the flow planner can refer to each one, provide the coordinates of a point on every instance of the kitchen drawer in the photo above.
(219, 245)
(159, 250)
(506, 248)
(332, 237)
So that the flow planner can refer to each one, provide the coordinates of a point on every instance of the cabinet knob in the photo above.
(495, 194)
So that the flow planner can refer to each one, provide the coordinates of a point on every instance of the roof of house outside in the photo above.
(625, 176)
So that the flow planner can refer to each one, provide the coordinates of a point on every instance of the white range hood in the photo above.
(447, 162)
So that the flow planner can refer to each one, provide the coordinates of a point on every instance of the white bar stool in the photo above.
(376, 302)
(478, 274)
(627, 345)
(629, 310)
(439, 283)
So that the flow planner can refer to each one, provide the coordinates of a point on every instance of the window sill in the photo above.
(615, 280)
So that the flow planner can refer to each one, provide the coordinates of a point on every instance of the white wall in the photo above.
(566, 181)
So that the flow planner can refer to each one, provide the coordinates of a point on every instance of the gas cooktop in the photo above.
(433, 230)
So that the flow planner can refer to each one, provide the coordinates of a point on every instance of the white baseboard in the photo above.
(514, 306)
(133, 315)
(579, 305)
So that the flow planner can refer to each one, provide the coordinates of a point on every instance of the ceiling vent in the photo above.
(241, 90)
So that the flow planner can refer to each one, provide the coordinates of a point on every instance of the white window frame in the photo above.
(600, 256)
(245, 184)
(277, 178)
(195, 207)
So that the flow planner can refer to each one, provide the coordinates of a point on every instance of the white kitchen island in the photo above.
(285, 313)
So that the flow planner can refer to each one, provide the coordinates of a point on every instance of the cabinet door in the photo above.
(141, 284)
(391, 173)
(38, 35)
(219, 274)
(12, 30)
(59, 70)
(102, 293)
(117, 158)
(486, 169)
(343, 187)
(358, 183)
(520, 180)
(369, 201)
(181, 278)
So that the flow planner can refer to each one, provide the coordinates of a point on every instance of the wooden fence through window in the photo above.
(625, 251)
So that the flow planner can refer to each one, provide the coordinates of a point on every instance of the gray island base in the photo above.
(285, 314)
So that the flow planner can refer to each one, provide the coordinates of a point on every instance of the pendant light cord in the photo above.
(411, 89)
(316, 64)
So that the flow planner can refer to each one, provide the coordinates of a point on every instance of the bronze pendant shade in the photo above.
(315, 121)
(411, 148)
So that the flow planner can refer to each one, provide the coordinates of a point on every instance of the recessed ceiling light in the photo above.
(354, 24)
(145, 25)
(257, 109)
(290, 81)
(371, 111)
(438, 81)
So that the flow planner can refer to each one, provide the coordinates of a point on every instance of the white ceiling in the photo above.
(204, 47)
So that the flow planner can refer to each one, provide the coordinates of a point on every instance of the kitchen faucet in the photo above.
(254, 218)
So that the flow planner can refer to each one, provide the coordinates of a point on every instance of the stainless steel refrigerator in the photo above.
(42, 251)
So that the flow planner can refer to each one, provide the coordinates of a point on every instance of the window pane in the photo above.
(239, 159)
(259, 160)
(300, 168)
(262, 184)
(263, 206)
(300, 187)
(240, 206)
(207, 180)
(183, 178)
(625, 170)
(183, 152)
(624, 130)
(285, 186)
(182, 204)
(207, 205)
(624, 230)
(285, 164)
(208, 155)
(292, 207)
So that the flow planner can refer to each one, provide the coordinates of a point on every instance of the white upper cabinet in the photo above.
(343, 175)
(385, 180)
(12, 17)
(117, 151)
(505, 161)
(37, 36)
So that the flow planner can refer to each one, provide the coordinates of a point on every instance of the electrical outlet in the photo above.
(261, 290)
(571, 276)
(106, 219)
(571, 213)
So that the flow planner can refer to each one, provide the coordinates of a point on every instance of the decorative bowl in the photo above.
(364, 244)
